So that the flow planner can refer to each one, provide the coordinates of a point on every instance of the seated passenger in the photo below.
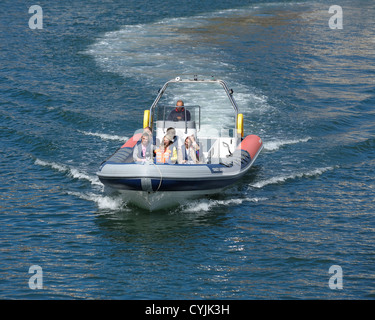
(143, 151)
(172, 132)
(155, 141)
(148, 130)
(178, 114)
(166, 153)
(188, 153)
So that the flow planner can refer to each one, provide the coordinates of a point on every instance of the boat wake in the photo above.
(204, 205)
(70, 171)
(281, 179)
(155, 52)
(105, 136)
(103, 202)
(277, 144)
(120, 202)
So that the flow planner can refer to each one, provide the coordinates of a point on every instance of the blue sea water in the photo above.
(73, 92)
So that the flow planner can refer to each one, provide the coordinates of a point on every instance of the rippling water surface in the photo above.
(73, 92)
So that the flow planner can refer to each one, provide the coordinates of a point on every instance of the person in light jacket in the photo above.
(144, 150)
(187, 154)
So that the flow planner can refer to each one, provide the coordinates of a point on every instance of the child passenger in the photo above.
(166, 153)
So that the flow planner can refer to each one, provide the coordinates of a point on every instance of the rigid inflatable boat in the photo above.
(222, 154)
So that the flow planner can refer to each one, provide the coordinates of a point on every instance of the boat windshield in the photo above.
(206, 106)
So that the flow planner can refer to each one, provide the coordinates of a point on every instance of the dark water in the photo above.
(74, 91)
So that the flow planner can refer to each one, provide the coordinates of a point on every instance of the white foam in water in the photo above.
(103, 202)
(205, 205)
(275, 180)
(275, 145)
(73, 172)
(156, 52)
(105, 136)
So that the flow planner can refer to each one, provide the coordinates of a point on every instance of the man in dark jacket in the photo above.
(178, 114)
